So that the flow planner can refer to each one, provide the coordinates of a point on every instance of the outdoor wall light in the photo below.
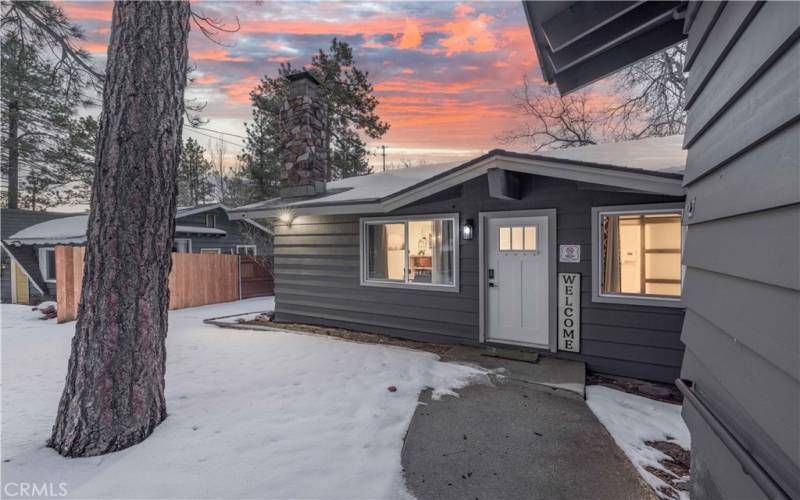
(286, 216)
(467, 230)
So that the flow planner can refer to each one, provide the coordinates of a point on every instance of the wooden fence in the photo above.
(256, 276)
(195, 280)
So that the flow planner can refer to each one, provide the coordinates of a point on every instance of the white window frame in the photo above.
(211, 251)
(213, 217)
(184, 239)
(254, 247)
(365, 281)
(597, 268)
(43, 263)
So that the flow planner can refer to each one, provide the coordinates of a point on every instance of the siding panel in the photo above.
(774, 159)
(762, 246)
(771, 103)
(746, 311)
(772, 31)
(729, 26)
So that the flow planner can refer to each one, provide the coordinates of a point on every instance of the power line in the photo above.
(220, 139)
(212, 130)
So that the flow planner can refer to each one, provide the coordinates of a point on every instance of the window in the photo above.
(518, 238)
(216, 251)
(246, 250)
(410, 252)
(47, 264)
(638, 254)
(211, 220)
(182, 245)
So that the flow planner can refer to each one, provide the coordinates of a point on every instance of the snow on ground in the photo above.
(251, 414)
(631, 420)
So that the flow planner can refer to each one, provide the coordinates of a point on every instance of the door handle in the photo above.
(492, 285)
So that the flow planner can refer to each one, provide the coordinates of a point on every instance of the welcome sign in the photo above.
(569, 312)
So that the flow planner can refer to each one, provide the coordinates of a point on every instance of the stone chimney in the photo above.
(302, 147)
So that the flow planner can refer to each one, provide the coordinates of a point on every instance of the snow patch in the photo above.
(631, 420)
(252, 414)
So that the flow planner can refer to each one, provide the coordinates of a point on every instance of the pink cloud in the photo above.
(219, 54)
(239, 92)
(412, 35)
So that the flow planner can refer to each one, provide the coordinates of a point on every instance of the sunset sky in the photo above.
(443, 71)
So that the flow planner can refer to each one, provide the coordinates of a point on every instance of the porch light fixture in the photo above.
(467, 230)
(286, 216)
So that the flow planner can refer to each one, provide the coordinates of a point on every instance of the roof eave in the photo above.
(624, 177)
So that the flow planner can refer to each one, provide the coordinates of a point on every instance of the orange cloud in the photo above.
(88, 11)
(279, 59)
(239, 92)
(93, 47)
(412, 36)
(468, 34)
(410, 86)
(206, 80)
(407, 71)
(365, 28)
(216, 55)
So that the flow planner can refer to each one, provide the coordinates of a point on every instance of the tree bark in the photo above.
(13, 154)
(114, 392)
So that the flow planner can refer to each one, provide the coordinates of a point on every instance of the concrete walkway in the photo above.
(514, 440)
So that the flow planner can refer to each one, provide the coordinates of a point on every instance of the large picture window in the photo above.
(638, 254)
(410, 252)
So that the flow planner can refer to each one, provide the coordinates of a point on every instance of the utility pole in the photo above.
(383, 148)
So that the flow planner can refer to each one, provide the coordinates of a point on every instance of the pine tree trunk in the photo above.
(13, 154)
(114, 393)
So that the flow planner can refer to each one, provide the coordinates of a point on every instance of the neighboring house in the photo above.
(469, 253)
(741, 368)
(21, 280)
(29, 239)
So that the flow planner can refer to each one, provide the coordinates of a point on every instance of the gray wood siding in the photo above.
(227, 244)
(742, 284)
(317, 281)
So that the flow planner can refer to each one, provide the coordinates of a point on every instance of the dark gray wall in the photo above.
(743, 246)
(228, 242)
(317, 281)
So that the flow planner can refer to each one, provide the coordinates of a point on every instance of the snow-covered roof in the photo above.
(198, 209)
(654, 154)
(661, 157)
(72, 230)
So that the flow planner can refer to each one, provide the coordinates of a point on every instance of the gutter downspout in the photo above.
(749, 464)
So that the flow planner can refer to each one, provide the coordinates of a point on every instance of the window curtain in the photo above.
(442, 259)
(611, 254)
(379, 249)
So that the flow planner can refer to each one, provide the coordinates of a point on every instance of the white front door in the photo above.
(517, 281)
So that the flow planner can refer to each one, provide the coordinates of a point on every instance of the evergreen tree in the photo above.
(347, 96)
(194, 171)
(43, 145)
(241, 188)
(259, 160)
